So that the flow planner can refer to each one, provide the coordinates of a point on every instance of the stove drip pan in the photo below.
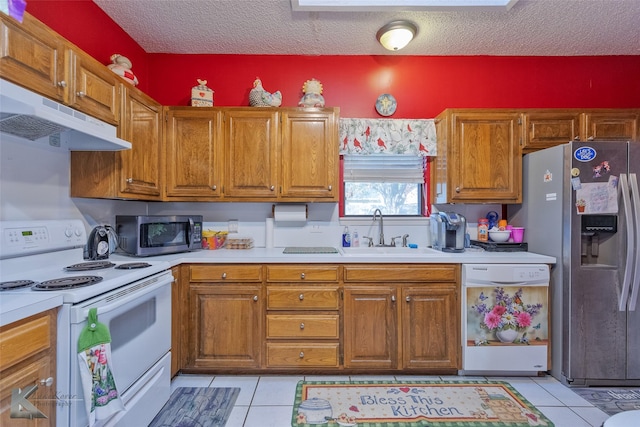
(66, 283)
(91, 265)
(16, 284)
(132, 265)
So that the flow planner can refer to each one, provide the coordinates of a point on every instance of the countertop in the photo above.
(19, 306)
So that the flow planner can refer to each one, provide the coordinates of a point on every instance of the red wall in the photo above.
(422, 85)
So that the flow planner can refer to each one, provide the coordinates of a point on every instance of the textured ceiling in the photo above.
(530, 27)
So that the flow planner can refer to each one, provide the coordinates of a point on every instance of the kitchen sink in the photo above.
(390, 251)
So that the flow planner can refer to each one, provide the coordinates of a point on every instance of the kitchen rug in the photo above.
(197, 407)
(412, 404)
(611, 400)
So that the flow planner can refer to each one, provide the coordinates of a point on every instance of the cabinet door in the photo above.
(543, 129)
(226, 326)
(611, 125)
(486, 159)
(251, 153)
(309, 155)
(192, 153)
(33, 56)
(370, 327)
(96, 90)
(430, 326)
(140, 171)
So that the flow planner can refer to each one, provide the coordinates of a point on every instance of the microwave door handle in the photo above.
(635, 196)
(626, 279)
(190, 233)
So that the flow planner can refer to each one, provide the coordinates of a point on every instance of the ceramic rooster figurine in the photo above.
(258, 97)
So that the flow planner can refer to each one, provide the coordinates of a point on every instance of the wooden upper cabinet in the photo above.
(611, 125)
(33, 56)
(251, 143)
(479, 157)
(141, 124)
(548, 128)
(95, 89)
(127, 174)
(192, 153)
(310, 155)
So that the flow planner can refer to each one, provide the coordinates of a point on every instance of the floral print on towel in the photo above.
(388, 136)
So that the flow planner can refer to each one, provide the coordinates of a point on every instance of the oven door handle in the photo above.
(132, 292)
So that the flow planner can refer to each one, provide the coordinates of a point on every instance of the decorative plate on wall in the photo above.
(386, 105)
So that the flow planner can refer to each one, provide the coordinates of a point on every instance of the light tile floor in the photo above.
(267, 401)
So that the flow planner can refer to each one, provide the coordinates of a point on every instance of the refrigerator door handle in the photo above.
(628, 266)
(635, 196)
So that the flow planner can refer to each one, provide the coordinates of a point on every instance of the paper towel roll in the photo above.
(269, 233)
(290, 214)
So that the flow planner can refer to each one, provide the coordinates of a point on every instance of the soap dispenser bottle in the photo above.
(346, 238)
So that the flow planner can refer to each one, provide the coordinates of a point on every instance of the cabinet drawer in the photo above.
(296, 273)
(319, 298)
(294, 355)
(23, 340)
(303, 326)
(432, 273)
(226, 273)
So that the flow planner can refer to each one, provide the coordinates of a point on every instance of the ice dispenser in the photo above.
(597, 231)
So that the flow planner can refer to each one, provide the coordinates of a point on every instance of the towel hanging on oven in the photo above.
(101, 397)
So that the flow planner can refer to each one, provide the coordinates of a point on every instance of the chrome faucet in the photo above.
(379, 213)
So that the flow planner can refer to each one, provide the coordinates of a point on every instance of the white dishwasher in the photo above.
(505, 318)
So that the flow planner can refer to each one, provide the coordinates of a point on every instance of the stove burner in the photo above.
(133, 265)
(66, 283)
(92, 265)
(16, 284)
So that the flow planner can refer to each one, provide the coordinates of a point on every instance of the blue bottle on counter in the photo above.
(346, 238)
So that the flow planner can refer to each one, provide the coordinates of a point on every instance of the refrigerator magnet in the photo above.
(575, 183)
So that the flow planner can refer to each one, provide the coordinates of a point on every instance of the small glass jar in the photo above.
(483, 229)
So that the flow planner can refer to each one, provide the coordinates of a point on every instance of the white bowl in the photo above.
(499, 236)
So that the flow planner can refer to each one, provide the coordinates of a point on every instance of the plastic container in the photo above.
(213, 239)
(355, 239)
(517, 233)
(483, 229)
(346, 238)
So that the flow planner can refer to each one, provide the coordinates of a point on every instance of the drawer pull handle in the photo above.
(129, 180)
(47, 382)
(214, 187)
(224, 275)
(273, 187)
(301, 325)
(302, 355)
(301, 297)
(302, 275)
(393, 298)
(255, 297)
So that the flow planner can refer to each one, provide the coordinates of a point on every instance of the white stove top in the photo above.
(42, 266)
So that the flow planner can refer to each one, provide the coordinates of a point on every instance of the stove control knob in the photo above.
(68, 232)
(78, 232)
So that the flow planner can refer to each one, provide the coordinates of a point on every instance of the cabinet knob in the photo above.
(591, 138)
(408, 299)
(457, 189)
(80, 94)
(576, 138)
(302, 275)
(301, 354)
(214, 187)
(301, 325)
(129, 180)
(301, 297)
(255, 297)
(224, 275)
(272, 188)
(47, 382)
(393, 298)
(62, 83)
(330, 187)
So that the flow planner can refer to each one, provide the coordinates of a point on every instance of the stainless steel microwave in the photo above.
(147, 235)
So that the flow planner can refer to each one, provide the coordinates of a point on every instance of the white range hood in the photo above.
(31, 116)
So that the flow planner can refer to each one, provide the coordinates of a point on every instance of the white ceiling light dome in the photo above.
(396, 34)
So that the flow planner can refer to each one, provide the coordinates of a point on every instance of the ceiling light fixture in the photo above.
(396, 34)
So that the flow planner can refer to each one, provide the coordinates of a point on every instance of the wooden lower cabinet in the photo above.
(28, 359)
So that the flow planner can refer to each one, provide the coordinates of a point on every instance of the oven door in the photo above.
(138, 316)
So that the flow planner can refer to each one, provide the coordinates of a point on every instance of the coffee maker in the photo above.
(448, 230)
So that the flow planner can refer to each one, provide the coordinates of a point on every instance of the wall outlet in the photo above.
(233, 226)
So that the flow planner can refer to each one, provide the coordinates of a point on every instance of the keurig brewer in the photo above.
(448, 230)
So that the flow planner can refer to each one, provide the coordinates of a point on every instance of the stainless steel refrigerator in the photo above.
(581, 205)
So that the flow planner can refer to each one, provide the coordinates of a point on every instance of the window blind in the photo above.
(384, 168)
